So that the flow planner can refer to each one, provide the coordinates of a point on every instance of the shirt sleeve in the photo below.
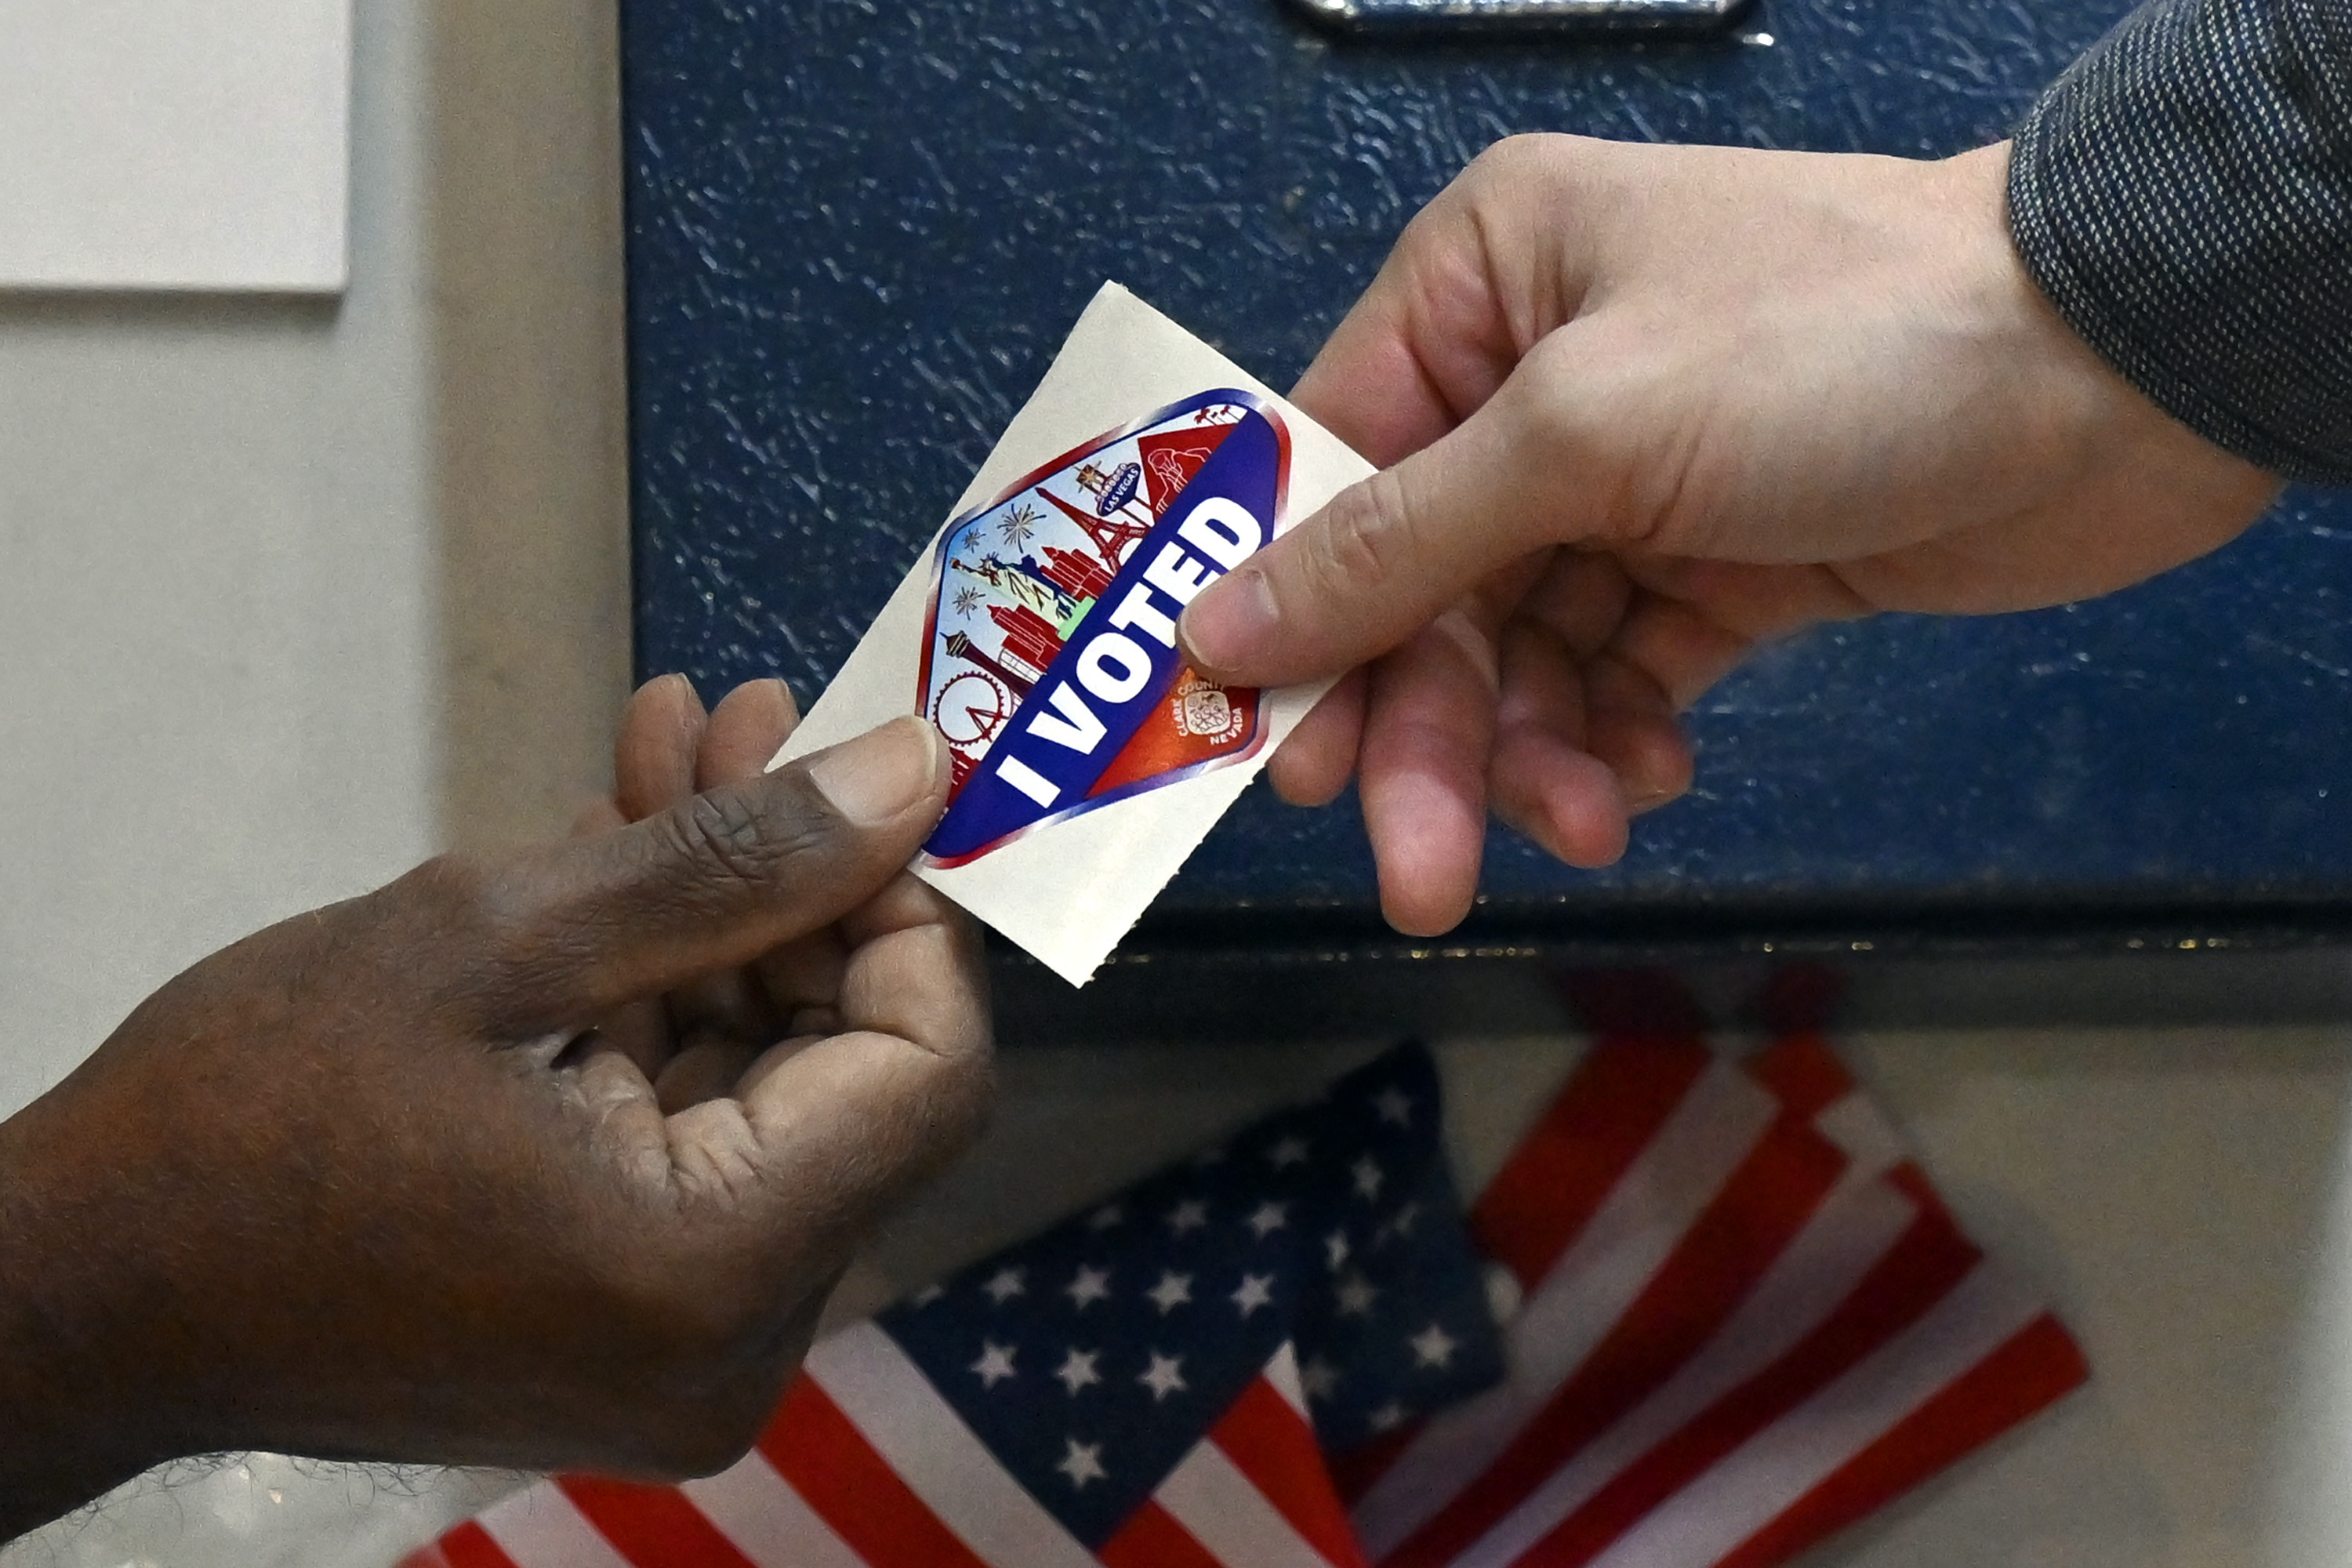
(2183, 194)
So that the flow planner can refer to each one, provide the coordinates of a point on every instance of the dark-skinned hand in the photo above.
(542, 1160)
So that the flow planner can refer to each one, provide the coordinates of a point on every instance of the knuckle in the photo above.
(471, 932)
(456, 905)
(1358, 544)
(969, 1079)
(731, 836)
(959, 1099)
(1511, 153)
(1571, 422)
(511, 914)
(747, 837)
(1547, 403)
(1512, 162)
(452, 886)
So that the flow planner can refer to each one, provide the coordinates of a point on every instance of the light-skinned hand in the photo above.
(1638, 407)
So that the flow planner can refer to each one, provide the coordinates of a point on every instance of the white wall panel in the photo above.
(184, 144)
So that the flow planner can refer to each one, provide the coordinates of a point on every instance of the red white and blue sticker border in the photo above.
(1278, 523)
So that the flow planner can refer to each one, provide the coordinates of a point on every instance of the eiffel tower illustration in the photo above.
(1110, 535)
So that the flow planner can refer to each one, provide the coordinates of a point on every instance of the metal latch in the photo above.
(1459, 16)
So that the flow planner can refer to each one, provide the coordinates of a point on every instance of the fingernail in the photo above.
(879, 776)
(1232, 624)
(780, 692)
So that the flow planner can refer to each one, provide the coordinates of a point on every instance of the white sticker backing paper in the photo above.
(1039, 632)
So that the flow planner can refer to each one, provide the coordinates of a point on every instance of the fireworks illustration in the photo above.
(968, 599)
(1019, 525)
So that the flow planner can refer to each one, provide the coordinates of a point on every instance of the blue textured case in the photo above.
(858, 229)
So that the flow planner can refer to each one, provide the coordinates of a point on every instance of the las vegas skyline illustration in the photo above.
(1016, 579)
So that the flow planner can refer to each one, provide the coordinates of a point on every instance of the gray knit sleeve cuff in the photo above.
(2184, 197)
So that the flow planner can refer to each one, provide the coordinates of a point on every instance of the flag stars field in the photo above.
(1393, 1105)
(1173, 1291)
(1077, 1369)
(1256, 1290)
(1083, 1464)
(1086, 1287)
(1319, 1378)
(1336, 1250)
(1286, 1152)
(1369, 1176)
(995, 1363)
(1005, 1284)
(1434, 1346)
(1164, 1376)
(1356, 1295)
(1269, 1218)
(1189, 1215)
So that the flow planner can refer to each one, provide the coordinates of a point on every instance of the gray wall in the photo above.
(292, 594)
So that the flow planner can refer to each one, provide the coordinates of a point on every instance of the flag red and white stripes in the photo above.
(1745, 1321)
(862, 1467)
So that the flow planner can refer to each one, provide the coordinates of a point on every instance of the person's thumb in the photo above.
(1387, 556)
(713, 882)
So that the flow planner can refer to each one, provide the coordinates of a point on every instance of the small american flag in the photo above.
(1132, 1388)
(1737, 1318)
(1745, 1321)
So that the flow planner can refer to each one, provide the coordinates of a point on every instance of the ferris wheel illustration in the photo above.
(971, 709)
